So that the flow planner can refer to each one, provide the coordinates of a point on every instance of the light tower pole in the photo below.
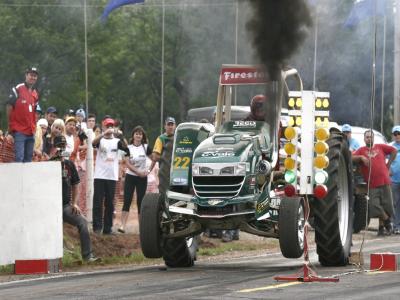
(396, 100)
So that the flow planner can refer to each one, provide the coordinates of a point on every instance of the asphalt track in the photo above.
(231, 278)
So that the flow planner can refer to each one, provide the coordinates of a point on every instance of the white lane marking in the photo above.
(270, 287)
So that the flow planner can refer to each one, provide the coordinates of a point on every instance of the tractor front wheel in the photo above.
(291, 227)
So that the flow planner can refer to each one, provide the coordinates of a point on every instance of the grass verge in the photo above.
(211, 247)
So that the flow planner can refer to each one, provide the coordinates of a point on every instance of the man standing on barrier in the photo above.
(21, 113)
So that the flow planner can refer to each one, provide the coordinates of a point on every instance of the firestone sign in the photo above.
(243, 75)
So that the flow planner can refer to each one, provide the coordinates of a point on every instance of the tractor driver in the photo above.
(257, 108)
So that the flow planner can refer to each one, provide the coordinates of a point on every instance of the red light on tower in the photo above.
(290, 190)
(320, 191)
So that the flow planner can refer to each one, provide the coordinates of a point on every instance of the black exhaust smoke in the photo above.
(278, 28)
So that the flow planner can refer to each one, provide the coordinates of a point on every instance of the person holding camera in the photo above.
(71, 212)
(106, 175)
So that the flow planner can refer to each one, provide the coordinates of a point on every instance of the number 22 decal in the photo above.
(181, 162)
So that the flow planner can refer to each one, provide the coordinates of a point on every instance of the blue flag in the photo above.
(363, 9)
(113, 4)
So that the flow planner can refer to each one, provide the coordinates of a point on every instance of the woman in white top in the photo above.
(136, 173)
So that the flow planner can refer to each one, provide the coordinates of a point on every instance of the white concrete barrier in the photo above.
(30, 211)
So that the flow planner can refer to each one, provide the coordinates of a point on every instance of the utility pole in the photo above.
(396, 100)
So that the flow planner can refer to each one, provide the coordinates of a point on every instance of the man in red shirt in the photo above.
(21, 113)
(375, 170)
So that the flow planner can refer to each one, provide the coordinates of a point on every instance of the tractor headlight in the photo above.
(195, 169)
(206, 171)
(227, 170)
(241, 169)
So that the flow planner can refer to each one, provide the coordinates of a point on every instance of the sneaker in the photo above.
(91, 259)
(109, 233)
(388, 226)
(381, 231)
(227, 236)
(396, 231)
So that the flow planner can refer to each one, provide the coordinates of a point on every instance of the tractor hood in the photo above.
(223, 148)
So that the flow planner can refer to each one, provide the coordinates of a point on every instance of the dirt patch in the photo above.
(104, 245)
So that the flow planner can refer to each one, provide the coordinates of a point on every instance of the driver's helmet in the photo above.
(257, 107)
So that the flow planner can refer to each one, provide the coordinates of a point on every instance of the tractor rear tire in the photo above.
(291, 227)
(150, 226)
(360, 213)
(165, 167)
(180, 252)
(334, 213)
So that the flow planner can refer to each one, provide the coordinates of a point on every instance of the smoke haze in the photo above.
(278, 28)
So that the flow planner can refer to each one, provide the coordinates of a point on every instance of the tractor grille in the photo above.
(217, 186)
(224, 210)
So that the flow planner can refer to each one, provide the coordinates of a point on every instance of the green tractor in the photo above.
(234, 175)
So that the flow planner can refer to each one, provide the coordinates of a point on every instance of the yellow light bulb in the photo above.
(321, 162)
(318, 121)
(290, 148)
(299, 102)
(322, 134)
(289, 163)
(299, 121)
(291, 102)
(290, 133)
(325, 103)
(321, 147)
(318, 103)
(291, 121)
(326, 122)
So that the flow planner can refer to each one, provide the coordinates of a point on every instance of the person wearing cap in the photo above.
(375, 171)
(21, 114)
(38, 112)
(106, 175)
(161, 143)
(163, 139)
(353, 144)
(51, 115)
(71, 212)
(80, 116)
(395, 177)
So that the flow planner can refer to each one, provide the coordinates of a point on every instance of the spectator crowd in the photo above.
(123, 167)
(40, 135)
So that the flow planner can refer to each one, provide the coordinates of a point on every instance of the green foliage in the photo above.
(124, 57)
(7, 269)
